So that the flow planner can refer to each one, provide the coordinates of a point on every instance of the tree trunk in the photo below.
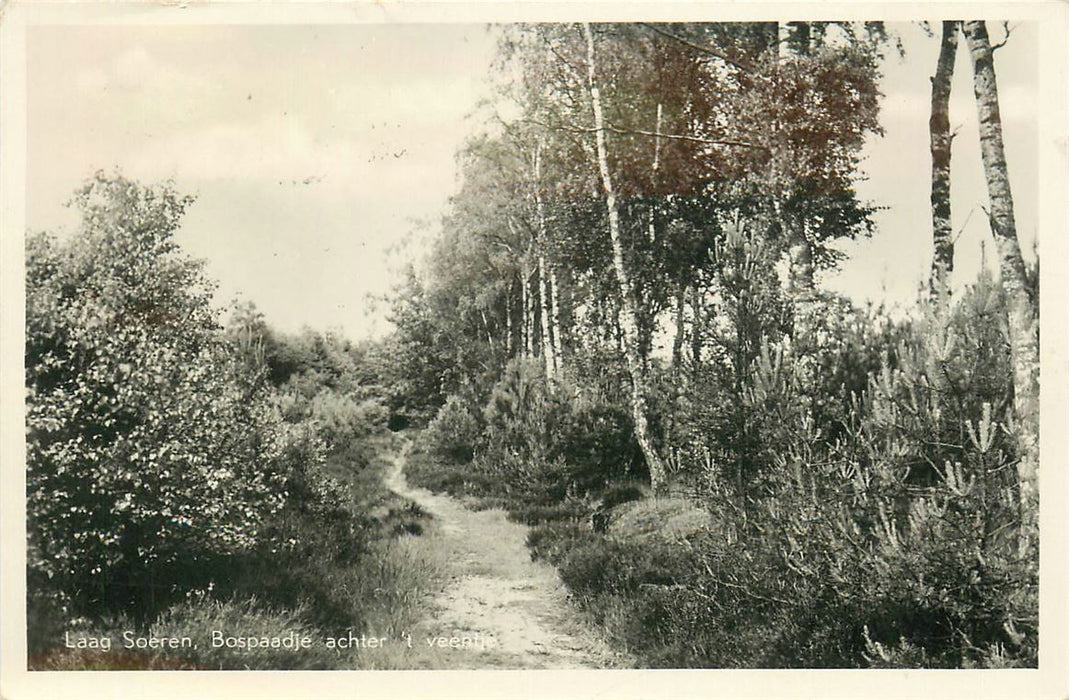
(528, 324)
(543, 293)
(558, 343)
(939, 130)
(677, 359)
(696, 330)
(1023, 317)
(799, 248)
(508, 323)
(543, 312)
(656, 170)
(677, 343)
(627, 305)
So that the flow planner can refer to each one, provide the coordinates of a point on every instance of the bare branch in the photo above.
(1006, 30)
(683, 137)
(650, 134)
(968, 217)
(699, 48)
(572, 71)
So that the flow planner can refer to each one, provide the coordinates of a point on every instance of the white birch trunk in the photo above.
(628, 324)
(656, 167)
(543, 308)
(1023, 318)
(548, 355)
(508, 324)
(525, 302)
(554, 298)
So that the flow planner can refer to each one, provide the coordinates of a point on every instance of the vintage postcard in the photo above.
(533, 350)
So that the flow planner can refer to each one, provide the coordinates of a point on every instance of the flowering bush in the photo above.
(147, 445)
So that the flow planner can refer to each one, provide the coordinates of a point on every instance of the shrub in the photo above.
(440, 475)
(553, 541)
(936, 451)
(523, 414)
(598, 443)
(454, 432)
(596, 566)
(406, 519)
(617, 494)
(886, 538)
(147, 444)
(342, 420)
(548, 445)
(606, 565)
(528, 513)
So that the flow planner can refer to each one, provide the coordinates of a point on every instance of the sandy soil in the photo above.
(498, 609)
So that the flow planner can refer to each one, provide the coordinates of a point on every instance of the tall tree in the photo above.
(940, 141)
(1023, 315)
(549, 354)
(804, 106)
(655, 464)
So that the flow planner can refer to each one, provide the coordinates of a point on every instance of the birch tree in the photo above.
(1023, 315)
(940, 142)
(628, 325)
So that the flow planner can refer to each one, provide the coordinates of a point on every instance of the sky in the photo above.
(891, 264)
(322, 156)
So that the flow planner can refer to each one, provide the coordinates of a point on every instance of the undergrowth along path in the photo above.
(497, 609)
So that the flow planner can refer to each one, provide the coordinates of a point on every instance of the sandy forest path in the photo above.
(498, 608)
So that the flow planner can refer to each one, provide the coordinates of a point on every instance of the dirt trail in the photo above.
(499, 609)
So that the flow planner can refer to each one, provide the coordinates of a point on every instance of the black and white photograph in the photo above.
(679, 341)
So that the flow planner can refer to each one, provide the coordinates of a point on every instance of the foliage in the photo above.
(881, 528)
(907, 525)
(860, 470)
(522, 414)
(454, 432)
(420, 370)
(597, 441)
(341, 419)
(554, 540)
(183, 476)
(552, 444)
(200, 616)
(147, 445)
(937, 452)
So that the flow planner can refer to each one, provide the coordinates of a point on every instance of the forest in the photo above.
(619, 339)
